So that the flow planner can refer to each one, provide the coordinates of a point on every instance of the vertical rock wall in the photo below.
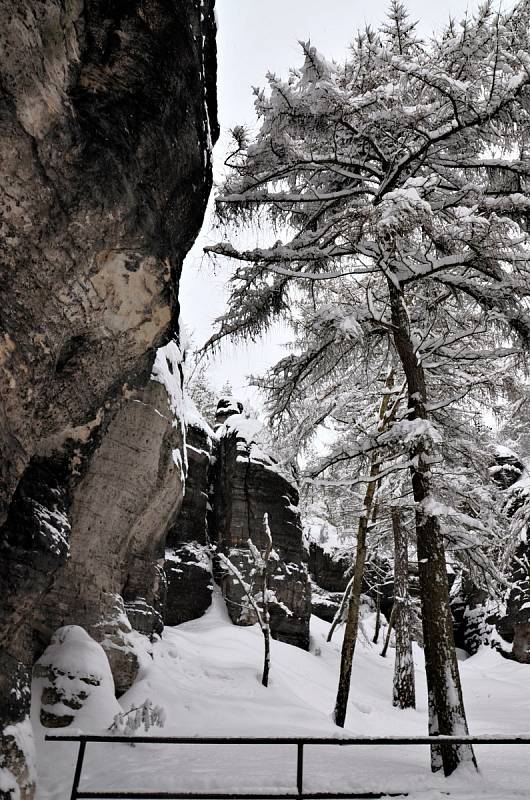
(187, 567)
(248, 484)
(232, 482)
(107, 115)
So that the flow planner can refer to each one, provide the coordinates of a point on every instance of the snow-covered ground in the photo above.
(206, 674)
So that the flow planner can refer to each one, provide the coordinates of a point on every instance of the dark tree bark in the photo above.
(446, 705)
(389, 631)
(266, 626)
(377, 616)
(340, 611)
(404, 694)
(352, 622)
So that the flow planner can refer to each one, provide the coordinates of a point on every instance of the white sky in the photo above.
(254, 37)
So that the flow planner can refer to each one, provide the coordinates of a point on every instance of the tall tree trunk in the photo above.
(267, 655)
(446, 704)
(377, 616)
(352, 622)
(266, 626)
(404, 695)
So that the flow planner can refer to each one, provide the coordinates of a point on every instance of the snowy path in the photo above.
(206, 675)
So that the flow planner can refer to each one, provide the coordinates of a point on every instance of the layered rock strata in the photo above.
(249, 483)
(232, 482)
(107, 116)
(187, 568)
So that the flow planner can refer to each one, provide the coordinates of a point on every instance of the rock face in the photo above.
(329, 557)
(189, 579)
(231, 483)
(514, 625)
(192, 523)
(469, 612)
(107, 116)
(248, 484)
(473, 616)
(187, 568)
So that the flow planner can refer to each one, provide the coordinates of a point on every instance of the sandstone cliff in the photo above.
(107, 114)
(247, 484)
(232, 482)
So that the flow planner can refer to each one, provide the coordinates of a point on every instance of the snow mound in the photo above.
(75, 667)
(206, 675)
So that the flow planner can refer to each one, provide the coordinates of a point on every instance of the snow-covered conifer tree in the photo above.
(400, 180)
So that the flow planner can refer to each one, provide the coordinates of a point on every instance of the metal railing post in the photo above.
(78, 768)
(300, 769)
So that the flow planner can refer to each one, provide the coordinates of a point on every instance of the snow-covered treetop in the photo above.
(399, 185)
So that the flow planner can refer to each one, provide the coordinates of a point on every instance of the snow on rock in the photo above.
(8, 783)
(194, 419)
(508, 470)
(248, 484)
(206, 675)
(244, 427)
(18, 769)
(248, 432)
(226, 406)
(74, 682)
(188, 572)
(320, 531)
(330, 554)
(167, 370)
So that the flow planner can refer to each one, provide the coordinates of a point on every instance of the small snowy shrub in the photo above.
(148, 715)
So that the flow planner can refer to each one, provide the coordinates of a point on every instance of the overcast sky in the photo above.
(254, 37)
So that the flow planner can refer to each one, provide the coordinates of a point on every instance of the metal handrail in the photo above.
(300, 742)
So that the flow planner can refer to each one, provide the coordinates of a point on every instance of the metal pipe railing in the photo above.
(300, 742)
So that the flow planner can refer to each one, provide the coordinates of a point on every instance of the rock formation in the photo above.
(107, 116)
(475, 616)
(247, 484)
(188, 573)
(514, 624)
(232, 482)
(469, 610)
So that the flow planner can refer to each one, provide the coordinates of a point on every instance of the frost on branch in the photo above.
(144, 716)
(399, 180)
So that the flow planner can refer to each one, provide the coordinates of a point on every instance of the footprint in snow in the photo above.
(364, 709)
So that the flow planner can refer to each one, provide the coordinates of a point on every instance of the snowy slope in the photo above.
(206, 674)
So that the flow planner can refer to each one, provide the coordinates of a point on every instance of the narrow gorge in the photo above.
(119, 502)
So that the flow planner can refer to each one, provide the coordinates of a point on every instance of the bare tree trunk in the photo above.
(404, 694)
(352, 622)
(389, 631)
(266, 627)
(446, 705)
(377, 616)
(337, 619)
